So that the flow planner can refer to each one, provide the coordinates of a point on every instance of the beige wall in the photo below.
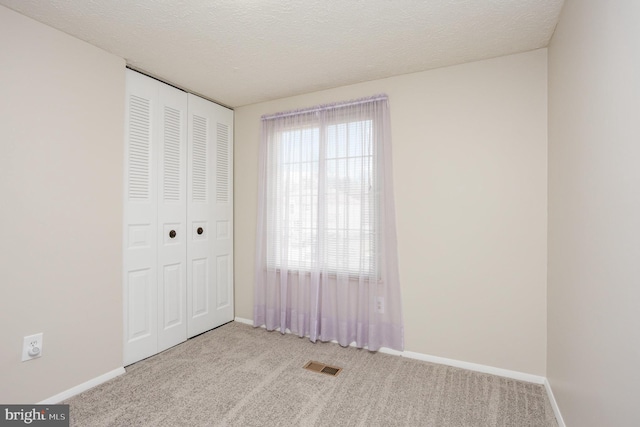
(470, 158)
(470, 179)
(61, 133)
(594, 213)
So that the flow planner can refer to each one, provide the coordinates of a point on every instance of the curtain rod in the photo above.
(323, 107)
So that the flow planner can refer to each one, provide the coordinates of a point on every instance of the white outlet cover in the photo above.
(30, 341)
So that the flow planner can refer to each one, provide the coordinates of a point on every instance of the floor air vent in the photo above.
(322, 368)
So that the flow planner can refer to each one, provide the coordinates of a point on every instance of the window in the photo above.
(324, 185)
(326, 258)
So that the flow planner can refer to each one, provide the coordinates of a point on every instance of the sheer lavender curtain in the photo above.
(326, 258)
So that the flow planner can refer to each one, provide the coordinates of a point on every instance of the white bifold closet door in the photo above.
(178, 279)
(155, 214)
(172, 218)
(210, 216)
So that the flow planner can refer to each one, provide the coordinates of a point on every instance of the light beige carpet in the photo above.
(238, 375)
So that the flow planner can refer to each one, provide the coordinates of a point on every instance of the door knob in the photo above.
(200, 230)
(172, 233)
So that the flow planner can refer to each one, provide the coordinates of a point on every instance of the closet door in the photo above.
(172, 217)
(140, 219)
(209, 215)
(155, 232)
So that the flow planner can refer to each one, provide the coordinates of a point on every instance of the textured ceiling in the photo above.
(239, 52)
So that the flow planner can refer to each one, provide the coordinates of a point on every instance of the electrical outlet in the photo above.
(380, 305)
(32, 347)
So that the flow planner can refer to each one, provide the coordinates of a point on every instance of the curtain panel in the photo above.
(326, 256)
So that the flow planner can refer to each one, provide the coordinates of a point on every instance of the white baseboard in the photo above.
(82, 387)
(516, 375)
(243, 320)
(554, 404)
(536, 379)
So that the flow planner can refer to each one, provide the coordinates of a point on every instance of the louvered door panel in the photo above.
(199, 158)
(140, 240)
(199, 279)
(209, 274)
(139, 149)
(172, 217)
(223, 162)
(223, 212)
(173, 156)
